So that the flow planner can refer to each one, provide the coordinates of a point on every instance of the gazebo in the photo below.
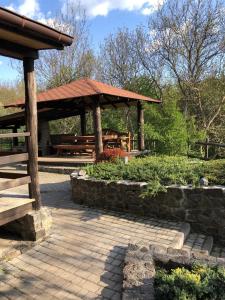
(22, 38)
(78, 98)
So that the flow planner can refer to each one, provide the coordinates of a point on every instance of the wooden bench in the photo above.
(73, 148)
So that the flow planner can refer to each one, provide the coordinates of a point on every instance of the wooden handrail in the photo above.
(210, 144)
(11, 183)
(13, 135)
(14, 158)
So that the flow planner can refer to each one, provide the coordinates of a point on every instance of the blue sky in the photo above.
(104, 17)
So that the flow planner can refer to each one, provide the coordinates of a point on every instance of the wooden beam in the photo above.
(109, 101)
(14, 158)
(97, 124)
(83, 123)
(8, 184)
(9, 175)
(14, 134)
(14, 208)
(140, 121)
(15, 139)
(45, 140)
(14, 50)
(31, 124)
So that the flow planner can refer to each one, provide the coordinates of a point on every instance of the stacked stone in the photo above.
(203, 208)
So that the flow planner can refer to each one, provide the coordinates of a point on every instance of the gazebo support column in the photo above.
(140, 119)
(31, 124)
(45, 140)
(97, 128)
(83, 123)
(15, 139)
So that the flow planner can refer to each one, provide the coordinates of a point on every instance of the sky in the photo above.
(104, 17)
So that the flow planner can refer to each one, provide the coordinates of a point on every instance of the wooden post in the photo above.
(45, 138)
(97, 128)
(206, 149)
(83, 123)
(15, 139)
(31, 124)
(140, 119)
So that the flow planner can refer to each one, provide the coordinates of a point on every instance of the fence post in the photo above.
(206, 149)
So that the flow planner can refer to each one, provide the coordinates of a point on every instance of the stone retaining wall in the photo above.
(139, 267)
(203, 208)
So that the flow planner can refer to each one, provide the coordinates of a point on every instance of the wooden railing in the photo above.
(14, 179)
(206, 146)
(13, 135)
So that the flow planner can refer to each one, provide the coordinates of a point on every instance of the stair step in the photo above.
(199, 242)
(218, 251)
(181, 236)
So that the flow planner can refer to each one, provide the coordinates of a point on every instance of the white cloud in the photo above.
(1, 62)
(28, 8)
(103, 7)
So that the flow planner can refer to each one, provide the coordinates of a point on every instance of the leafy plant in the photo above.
(112, 154)
(197, 283)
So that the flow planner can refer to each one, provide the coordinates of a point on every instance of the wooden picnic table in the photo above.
(87, 138)
(85, 142)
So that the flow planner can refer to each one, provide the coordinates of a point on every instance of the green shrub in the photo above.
(198, 283)
(161, 171)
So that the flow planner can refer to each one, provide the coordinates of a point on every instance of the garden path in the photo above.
(83, 256)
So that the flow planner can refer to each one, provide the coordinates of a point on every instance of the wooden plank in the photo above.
(31, 125)
(14, 208)
(10, 175)
(14, 158)
(14, 135)
(211, 144)
(14, 50)
(74, 147)
(8, 184)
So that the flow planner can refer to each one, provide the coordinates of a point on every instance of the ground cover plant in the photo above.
(161, 171)
(197, 283)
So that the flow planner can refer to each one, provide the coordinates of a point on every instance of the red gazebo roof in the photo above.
(84, 88)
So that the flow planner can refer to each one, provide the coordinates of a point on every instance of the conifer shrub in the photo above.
(197, 283)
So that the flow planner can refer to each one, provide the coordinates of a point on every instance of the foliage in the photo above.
(161, 171)
(112, 154)
(157, 171)
(166, 125)
(198, 283)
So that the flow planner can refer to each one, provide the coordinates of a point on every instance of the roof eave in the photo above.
(35, 29)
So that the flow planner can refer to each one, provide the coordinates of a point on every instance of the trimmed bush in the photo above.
(198, 283)
(112, 154)
(161, 171)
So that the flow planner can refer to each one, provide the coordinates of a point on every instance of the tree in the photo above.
(189, 36)
(118, 63)
(166, 125)
(55, 68)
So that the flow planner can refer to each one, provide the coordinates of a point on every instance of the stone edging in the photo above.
(139, 267)
(203, 208)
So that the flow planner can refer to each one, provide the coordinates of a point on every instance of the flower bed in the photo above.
(161, 171)
(155, 272)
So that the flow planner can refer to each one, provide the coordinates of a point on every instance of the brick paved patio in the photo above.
(82, 259)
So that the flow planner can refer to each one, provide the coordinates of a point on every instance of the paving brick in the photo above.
(82, 257)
